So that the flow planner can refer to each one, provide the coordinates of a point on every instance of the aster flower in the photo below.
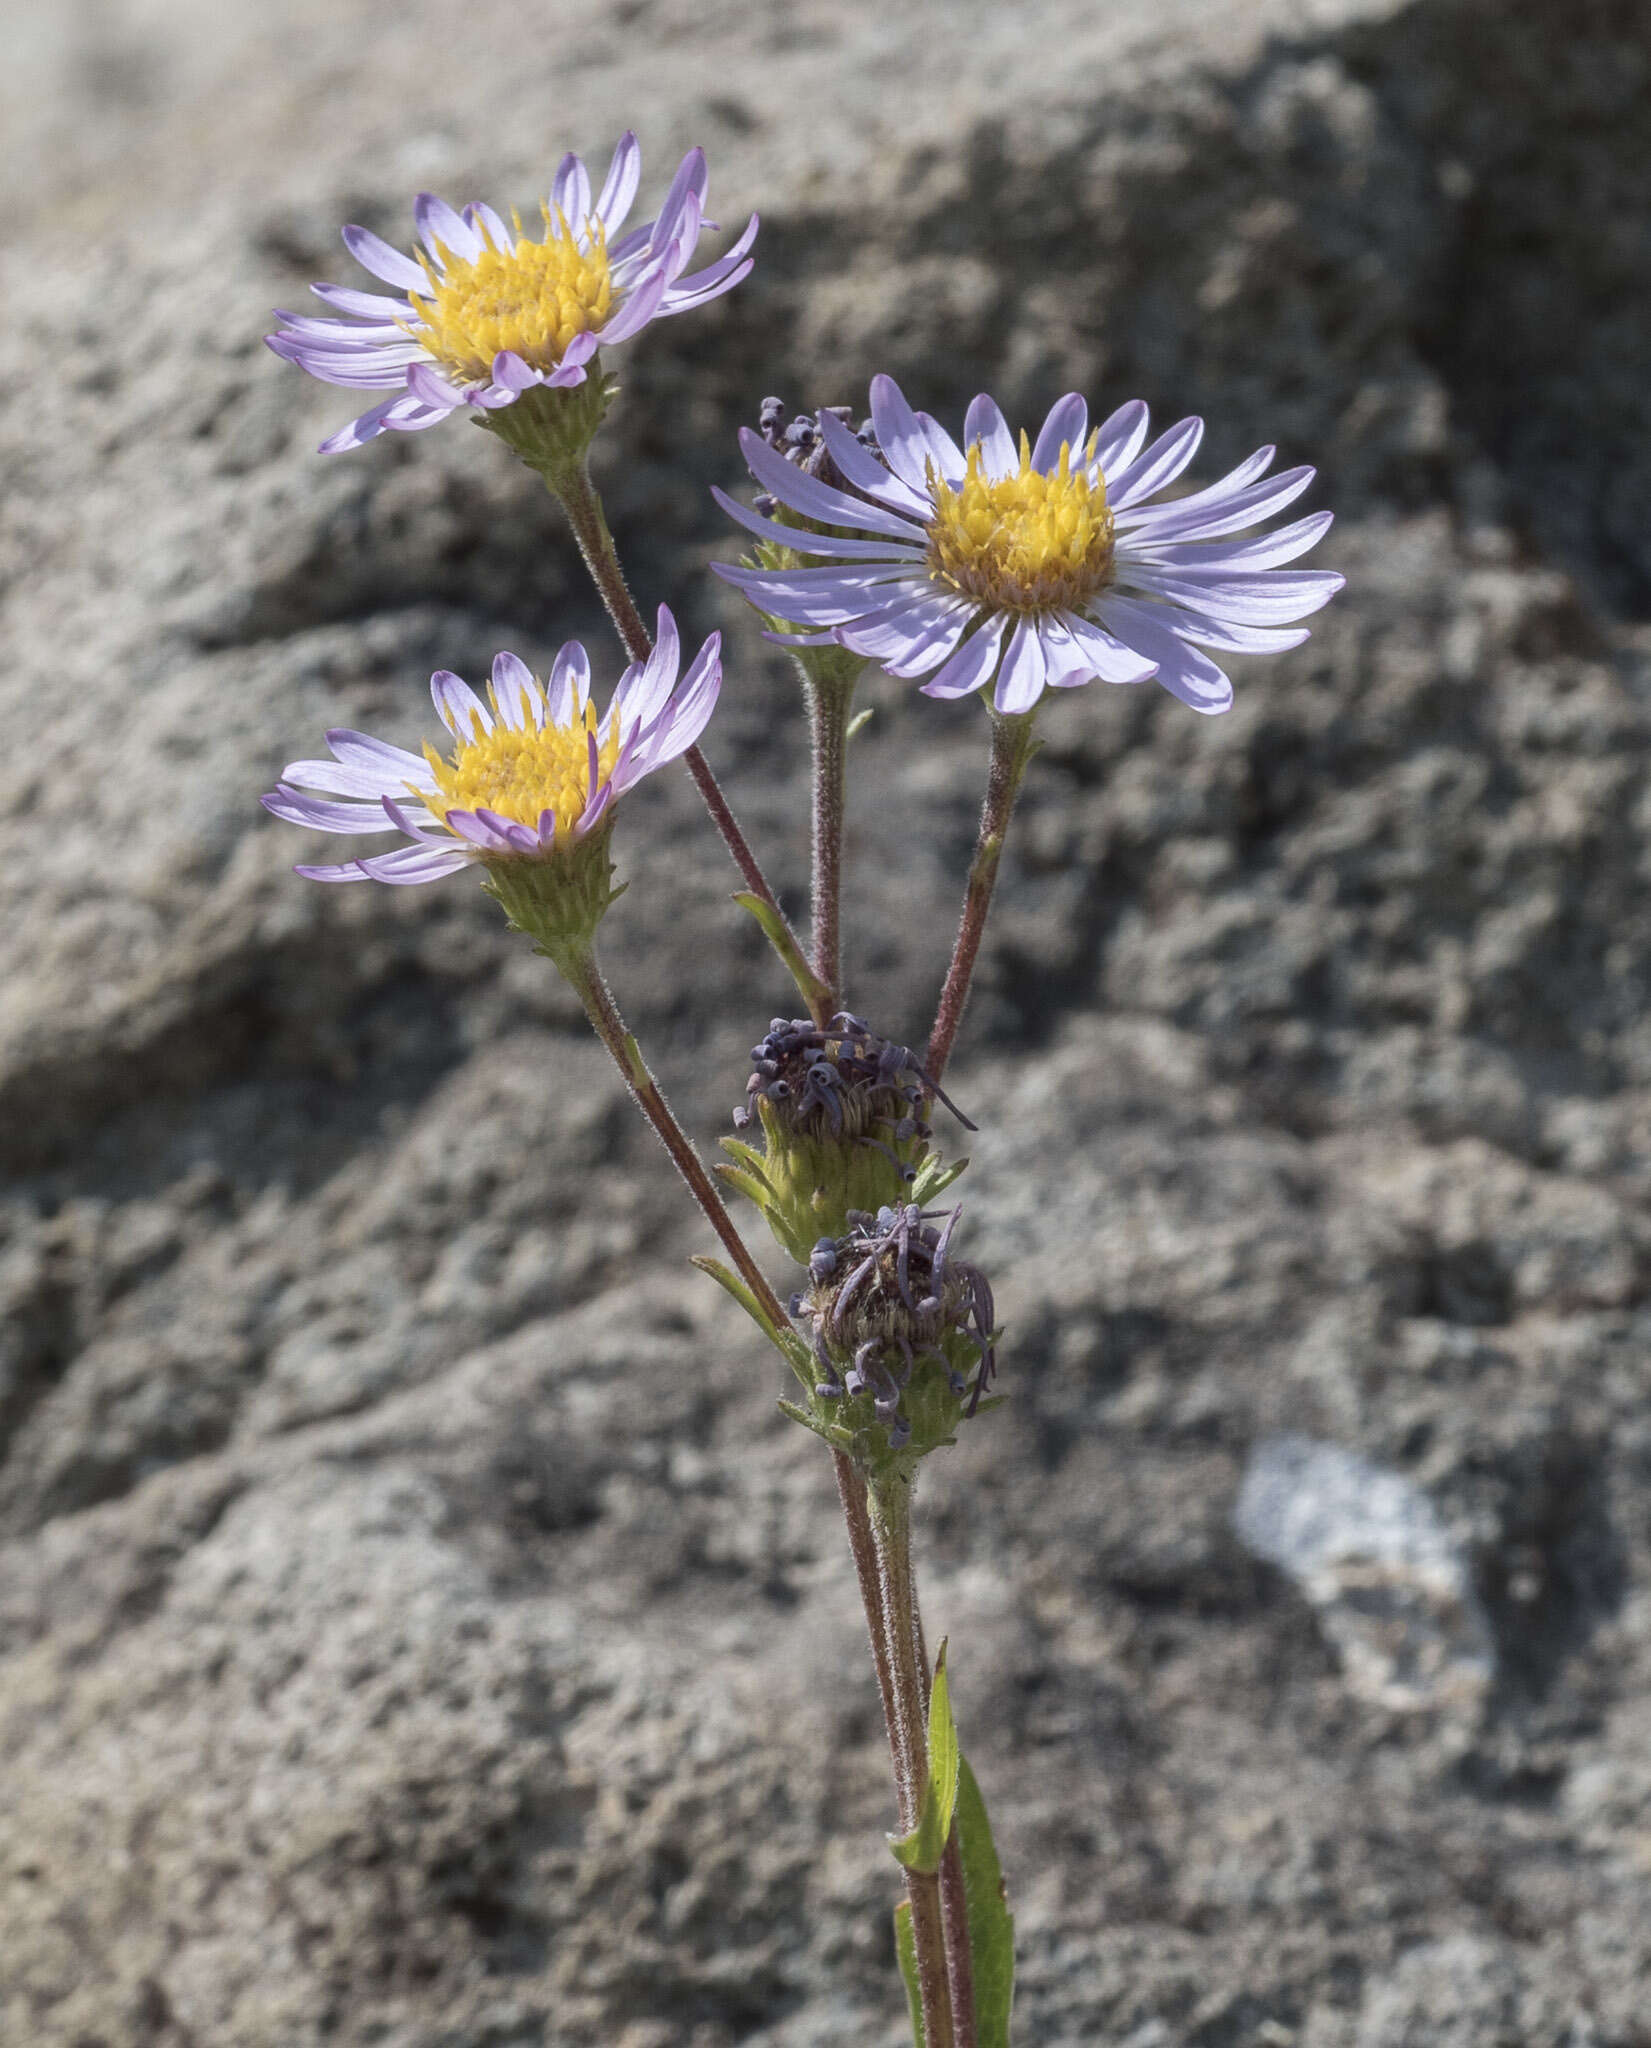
(533, 773)
(483, 313)
(1050, 564)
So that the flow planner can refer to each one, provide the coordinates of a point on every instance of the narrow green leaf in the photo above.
(753, 1187)
(745, 1155)
(858, 721)
(991, 1924)
(923, 1848)
(934, 1177)
(812, 989)
(786, 1342)
(905, 1947)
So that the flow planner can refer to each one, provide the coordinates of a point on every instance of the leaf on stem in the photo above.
(923, 1848)
(905, 1947)
(991, 1924)
(786, 1342)
(809, 985)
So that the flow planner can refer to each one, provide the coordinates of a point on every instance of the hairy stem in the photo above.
(829, 703)
(584, 976)
(851, 1491)
(954, 1930)
(1012, 747)
(571, 484)
(890, 1504)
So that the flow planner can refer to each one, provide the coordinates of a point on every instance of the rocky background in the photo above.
(417, 1627)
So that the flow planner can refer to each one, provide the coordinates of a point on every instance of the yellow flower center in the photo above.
(1023, 543)
(533, 299)
(520, 774)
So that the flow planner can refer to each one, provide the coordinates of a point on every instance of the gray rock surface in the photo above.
(417, 1627)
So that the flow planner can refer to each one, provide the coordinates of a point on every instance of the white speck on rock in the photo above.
(1390, 1585)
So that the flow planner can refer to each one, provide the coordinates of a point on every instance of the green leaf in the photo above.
(934, 1177)
(905, 1947)
(859, 719)
(779, 935)
(923, 1848)
(786, 1342)
(828, 1433)
(991, 1924)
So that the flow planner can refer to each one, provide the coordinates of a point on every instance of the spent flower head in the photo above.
(843, 1118)
(528, 788)
(1031, 564)
(484, 314)
(904, 1334)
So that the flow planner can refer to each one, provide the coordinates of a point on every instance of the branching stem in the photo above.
(890, 1509)
(584, 976)
(830, 700)
(570, 482)
(1012, 748)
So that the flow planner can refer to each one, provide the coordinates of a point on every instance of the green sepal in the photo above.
(905, 1947)
(786, 1342)
(810, 987)
(991, 1924)
(858, 721)
(922, 1849)
(551, 427)
(558, 898)
(751, 1185)
(827, 1432)
(934, 1177)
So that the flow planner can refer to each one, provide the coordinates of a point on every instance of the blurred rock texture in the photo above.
(416, 1626)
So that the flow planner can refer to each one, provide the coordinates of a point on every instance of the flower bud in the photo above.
(843, 1115)
(903, 1335)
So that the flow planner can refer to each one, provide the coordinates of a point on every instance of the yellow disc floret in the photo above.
(521, 774)
(1027, 542)
(532, 299)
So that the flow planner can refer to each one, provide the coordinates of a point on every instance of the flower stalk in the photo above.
(570, 483)
(829, 691)
(889, 1498)
(579, 968)
(1013, 746)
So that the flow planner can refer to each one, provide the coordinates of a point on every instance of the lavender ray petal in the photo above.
(1161, 464)
(1121, 437)
(618, 194)
(1182, 670)
(363, 305)
(805, 494)
(972, 664)
(568, 690)
(515, 693)
(1067, 424)
(637, 310)
(441, 228)
(1271, 598)
(409, 865)
(984, 422)
(900, 436)
(1021, 678)
(1243, 508)
(813, 543)
(570, 192)
(458, 707)
(1107, 656)
(373, 253)
(1266, 551)
(866, 473)
(295, 808)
